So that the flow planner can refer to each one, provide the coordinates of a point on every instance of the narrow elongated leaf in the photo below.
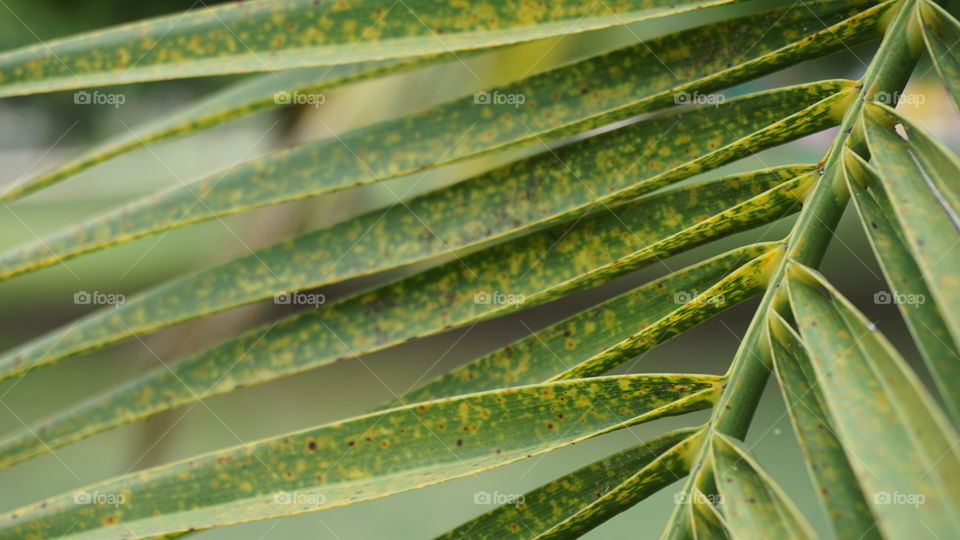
(257, 94)
(941, 32)
(939, 166)
(594, 92)
(312, 260)
(900, 446)
(908, 290)
(754, 507)
(836, 485)
(575, 503)
(281, 34)
(921, 181)
(740, 285)
(526, 271)
(362, 458)
(684, 526)
(703, 520)
(546, 354)
(458, 130)
(706, 523)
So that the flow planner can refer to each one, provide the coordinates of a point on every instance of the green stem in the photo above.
(889, 71)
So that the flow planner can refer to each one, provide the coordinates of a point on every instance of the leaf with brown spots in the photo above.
(608, 333)
(921, 180)
(753, 506)
(597, 91)
(259, 93)
(908, 288)
(281, 34)
(834, 481)
(579, 501)
(208, 491)
(537, 268)
(941, 33)
(872, 395)
(471, 214)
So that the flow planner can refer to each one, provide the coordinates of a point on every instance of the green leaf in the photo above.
(529, 270)
(833, 478)
(682, 525)
(900, 446)
(247, 97)
(941, 32)
(281, 34)
(577, 502)
(921, 181)
(741, 284)
(595, 92)
(463, 128)
(705, 520)
(908, 291)
(753, 505)
(310, 260)
(360, 459)
(579, 339)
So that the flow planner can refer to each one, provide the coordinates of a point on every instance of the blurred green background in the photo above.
(39, 131)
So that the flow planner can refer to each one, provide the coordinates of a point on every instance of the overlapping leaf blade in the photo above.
(464, 128)
(706, 522)
(871, 395)
(569, 99)
(577, 228)
(281, 34)
(941, 32)
(836, 485)
(532, 269)
(754, 507)
(739, 285)
(362, 458)
(576, 502)
(908, 290)
(329, 255)
(650, 313)
(922, 183)
(259, 93)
